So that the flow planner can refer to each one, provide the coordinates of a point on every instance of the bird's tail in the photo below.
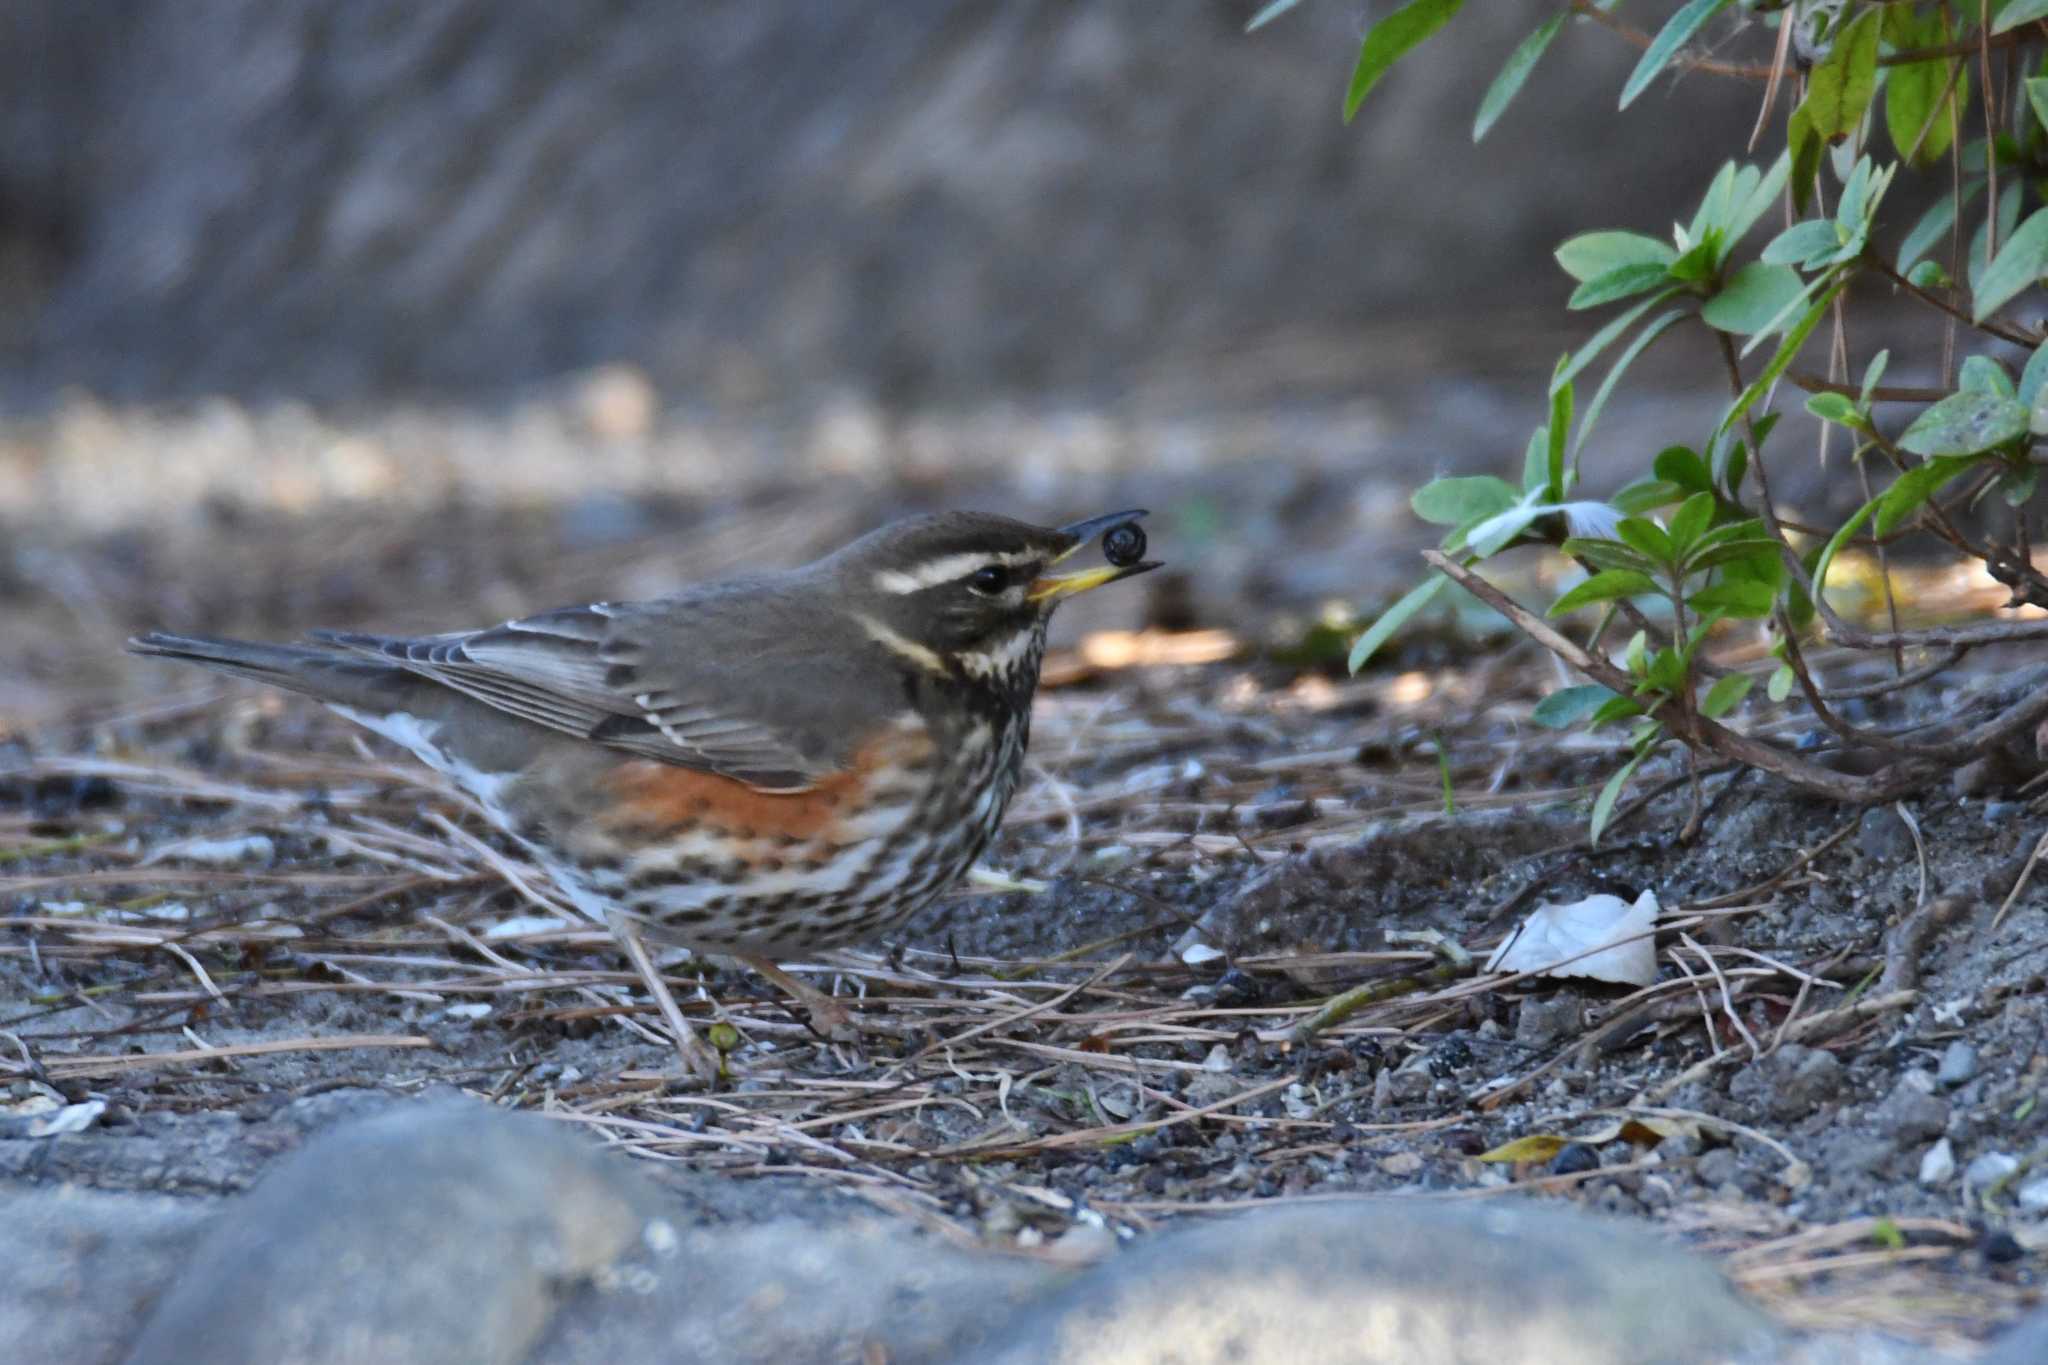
(330, 674)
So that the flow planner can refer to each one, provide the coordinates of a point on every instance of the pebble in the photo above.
(1791, 1082)
(1718, 1167)
(2033, 1196)
(1545, 1022)
(1883, 837)
(1958, 1065)
(1911, 1113)
(1988, 1169)
(1408, 1084)
(1573, 1158)
(1938, 1166)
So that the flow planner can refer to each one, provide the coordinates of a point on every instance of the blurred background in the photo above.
(429, 311)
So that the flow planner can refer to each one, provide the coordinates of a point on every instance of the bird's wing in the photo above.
(613, 673)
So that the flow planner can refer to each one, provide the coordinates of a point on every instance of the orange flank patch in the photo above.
(663, 797)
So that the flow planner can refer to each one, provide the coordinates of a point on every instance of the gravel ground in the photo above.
(221, 907)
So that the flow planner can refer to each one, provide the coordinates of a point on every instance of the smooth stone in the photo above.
(1395, 1280)
(443, 1231)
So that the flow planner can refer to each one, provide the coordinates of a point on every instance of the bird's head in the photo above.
(966, 593)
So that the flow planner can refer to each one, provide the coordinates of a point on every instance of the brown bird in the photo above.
(763, 766)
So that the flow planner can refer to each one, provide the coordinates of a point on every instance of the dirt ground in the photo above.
(215, 901)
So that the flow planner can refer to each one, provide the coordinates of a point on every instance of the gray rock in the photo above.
(1958, 1065)
(2026, 1344)
(1394, 1281)
(1791, 1082)
(1544, 1021)
(434, 1232)
(1911, 1114)
(1718, 1167)
(1859, 1153)
(1938, 1164)
(1883, 837)
(1409, 1083)
(793, 1291)
(78, 1267)
(1987, 1169)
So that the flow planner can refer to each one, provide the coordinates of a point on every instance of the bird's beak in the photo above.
(1051, 588)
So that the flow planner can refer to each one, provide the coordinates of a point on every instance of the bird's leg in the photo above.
(698, 1058)
(828, 1016)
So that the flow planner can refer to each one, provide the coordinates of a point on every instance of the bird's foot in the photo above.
(829, 1016)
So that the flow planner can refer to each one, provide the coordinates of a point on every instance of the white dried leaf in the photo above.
(520, 925)
(1571, 941)
(218, 852)
(72, 1118)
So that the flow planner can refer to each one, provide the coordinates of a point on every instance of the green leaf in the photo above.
(1725, 695)
(1559, 428)
(1593, 254)
(1569, 705)
(2022, 259)
(1911, 490)
(1605, 586)
(2033, 375)
(1512, 75)
(1603, 804)
(2037, 97)
(1393, 618)
(1608, 554)
(1391, 39)
(1620, 283)
(1743, 598)
(2008, 221)
(1646, 495)
(2016, 486)
(1802, 242)
(2019, 12)
(1780, 685)
(1690, 522)
(1717, 549)
(1455, 501)
(1269, 14)
(1647, 538)
(1763, 189)
(1982, 374)
(1935, 224)
(1911, 91)
(1871, 374)
(1806, 148)
(1965, 423)
(1677, 31)
(1838, 89)
(1756, 297)
(1666, 672)
(1732, 552)
(1838, 408)
(1536, 464)
(1620, 708)
(1788, 350)
(1604, 338)
(1683, 466)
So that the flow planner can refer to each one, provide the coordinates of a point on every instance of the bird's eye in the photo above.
(990, 580)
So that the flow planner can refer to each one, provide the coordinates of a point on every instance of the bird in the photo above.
(762, 766)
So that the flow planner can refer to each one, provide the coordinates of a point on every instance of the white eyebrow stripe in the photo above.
(904, 648)
(937, 571)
